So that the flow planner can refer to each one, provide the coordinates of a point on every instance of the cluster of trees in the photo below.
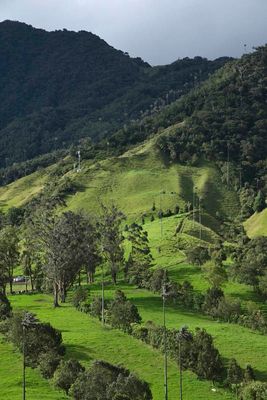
(119, 313)
(55, 249)
(197, 349)
(43, 349)
(250, 264)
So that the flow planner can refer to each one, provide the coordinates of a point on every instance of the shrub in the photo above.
(109, 382)
(67, 373)
(48, 363)
(96, 307)
(40, 338)
(205, 358)
(227, 310)
(122, 313)
(197, 255)
(5, 307)
(212, 299)
(255, 391)
(80, 295)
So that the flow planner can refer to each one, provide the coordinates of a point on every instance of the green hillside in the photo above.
(135, 181)
(256, 225)
(189, 173)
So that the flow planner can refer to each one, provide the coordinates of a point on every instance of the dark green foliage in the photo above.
(229, 109)
(249, 374)
(105, 381)
(212, 299)
(79, 296)
(255, 391)
(14, 216)
(101, 90)
(197, 255)
(66, 242)
(197, 350)
(122, 313)
(140, 259)
(259, 202)
(48, 363)
(228, 309)
(40, 338)
(251, 263)
(206, 360)
(96, 307)
(111, 237)
(67, 373)
(177, 209)
(5, 307)
(158, 278)
(234, 373)
(9, 256)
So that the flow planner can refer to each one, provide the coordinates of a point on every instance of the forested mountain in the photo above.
(58, 87)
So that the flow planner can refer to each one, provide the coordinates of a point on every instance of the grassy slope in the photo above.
(11, 378)
(133, 181)
(140, 177)
(87, 340)
(22, 190)
(256, 225)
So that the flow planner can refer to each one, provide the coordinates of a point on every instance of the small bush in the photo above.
(67, 373)
(48, 363)
(5, 307)
(80, 295)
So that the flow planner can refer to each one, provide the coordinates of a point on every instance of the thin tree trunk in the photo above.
(56, 295)
(11, 285)
(31, 280)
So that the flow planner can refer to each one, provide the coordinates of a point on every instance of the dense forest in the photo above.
(58, 87)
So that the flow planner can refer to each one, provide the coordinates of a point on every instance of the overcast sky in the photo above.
(159, 31)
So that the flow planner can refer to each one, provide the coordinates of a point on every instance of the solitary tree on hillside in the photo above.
(137, 267)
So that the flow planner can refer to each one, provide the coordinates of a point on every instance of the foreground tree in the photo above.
(65, 243)
(9, 256)
(105, 381)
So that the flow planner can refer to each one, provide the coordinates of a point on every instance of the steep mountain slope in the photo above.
(57, 87)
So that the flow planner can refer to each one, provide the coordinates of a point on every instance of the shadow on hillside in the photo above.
(80, 352)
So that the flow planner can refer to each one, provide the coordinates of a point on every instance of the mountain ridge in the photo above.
(60, 86)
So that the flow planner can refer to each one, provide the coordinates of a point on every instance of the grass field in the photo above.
(11, 378)
(21, 191)
(86, 340)
(134, 182)
(256, 225)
